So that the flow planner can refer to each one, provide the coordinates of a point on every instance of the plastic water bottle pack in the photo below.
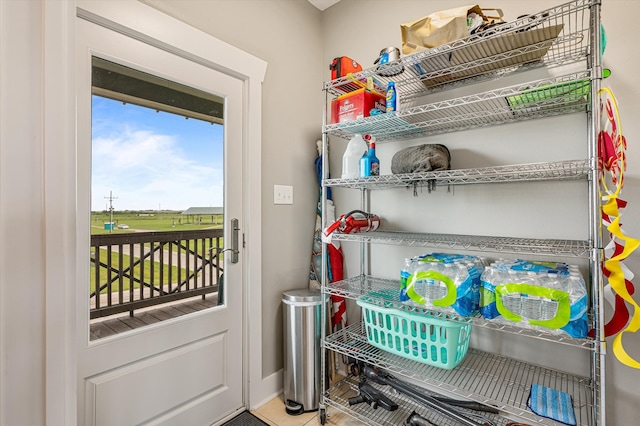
(445, 282)
(550, 296)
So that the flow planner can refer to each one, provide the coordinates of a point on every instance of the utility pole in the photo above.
(111, 198)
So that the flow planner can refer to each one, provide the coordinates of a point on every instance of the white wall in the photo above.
(361, 28)
(21, 213)
(37, 210)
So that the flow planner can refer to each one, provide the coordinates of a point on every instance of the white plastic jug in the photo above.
(356, 148)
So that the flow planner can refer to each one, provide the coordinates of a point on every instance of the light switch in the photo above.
(282, 194)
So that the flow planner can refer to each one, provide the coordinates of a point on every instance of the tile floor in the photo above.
(274, 413)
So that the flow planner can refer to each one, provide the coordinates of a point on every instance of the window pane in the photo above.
(157, 199)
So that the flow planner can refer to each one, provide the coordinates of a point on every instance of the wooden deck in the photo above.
(109, 326)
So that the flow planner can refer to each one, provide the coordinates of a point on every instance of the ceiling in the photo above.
(323, 4)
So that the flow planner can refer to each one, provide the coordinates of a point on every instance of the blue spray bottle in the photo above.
(369, 163)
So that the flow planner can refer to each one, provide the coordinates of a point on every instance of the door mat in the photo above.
(245, 419)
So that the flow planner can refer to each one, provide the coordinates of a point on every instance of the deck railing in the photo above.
(137, 270)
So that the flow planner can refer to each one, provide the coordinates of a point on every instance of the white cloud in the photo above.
(145, 170)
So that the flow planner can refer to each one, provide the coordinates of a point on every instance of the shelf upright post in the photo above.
(595, 233)
(324, 318)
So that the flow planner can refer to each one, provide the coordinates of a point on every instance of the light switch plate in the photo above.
(282, 194)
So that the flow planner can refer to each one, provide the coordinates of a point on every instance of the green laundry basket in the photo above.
(433, 341)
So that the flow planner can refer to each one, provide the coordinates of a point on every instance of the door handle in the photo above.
(234, 240)
(234, 243)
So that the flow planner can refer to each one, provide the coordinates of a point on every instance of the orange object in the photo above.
(343, 65)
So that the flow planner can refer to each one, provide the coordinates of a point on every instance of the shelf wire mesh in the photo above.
(339, 394)
(550, 171)
(385, 292)
(487, 378)
(512, 245)
(555, 36)
(532, 100)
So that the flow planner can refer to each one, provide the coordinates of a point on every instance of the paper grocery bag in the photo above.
(440, 28)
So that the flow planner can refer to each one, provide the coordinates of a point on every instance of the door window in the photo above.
(157, 199)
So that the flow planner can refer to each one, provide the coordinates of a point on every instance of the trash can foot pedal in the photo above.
(293, 408)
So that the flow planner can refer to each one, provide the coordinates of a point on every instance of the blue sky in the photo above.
(152, 160)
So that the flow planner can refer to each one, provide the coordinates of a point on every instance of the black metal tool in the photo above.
(428, 401)
(373, 397)
(416, 419)
(471, 405)
(357, 368)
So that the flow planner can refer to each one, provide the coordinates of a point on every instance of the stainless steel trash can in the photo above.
(302, 321)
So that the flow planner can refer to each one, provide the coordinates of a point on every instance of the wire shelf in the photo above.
(552, 37)
(487, 378)
(537, 99)
(519, 246)
(550, 171)
(386, 292)
(339, 394)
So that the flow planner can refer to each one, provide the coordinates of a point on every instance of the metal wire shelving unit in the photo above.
(566, 36)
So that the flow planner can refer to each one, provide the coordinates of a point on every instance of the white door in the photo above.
(184, 371)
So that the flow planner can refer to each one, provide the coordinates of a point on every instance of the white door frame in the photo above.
(139, 21)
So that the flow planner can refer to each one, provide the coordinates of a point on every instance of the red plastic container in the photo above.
(357, 104)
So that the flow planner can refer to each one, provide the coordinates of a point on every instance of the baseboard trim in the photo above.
(270, 388)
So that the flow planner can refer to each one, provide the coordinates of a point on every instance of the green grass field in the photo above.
(152, 221)
(115, 263)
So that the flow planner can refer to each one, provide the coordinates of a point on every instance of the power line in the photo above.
(111, 198)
